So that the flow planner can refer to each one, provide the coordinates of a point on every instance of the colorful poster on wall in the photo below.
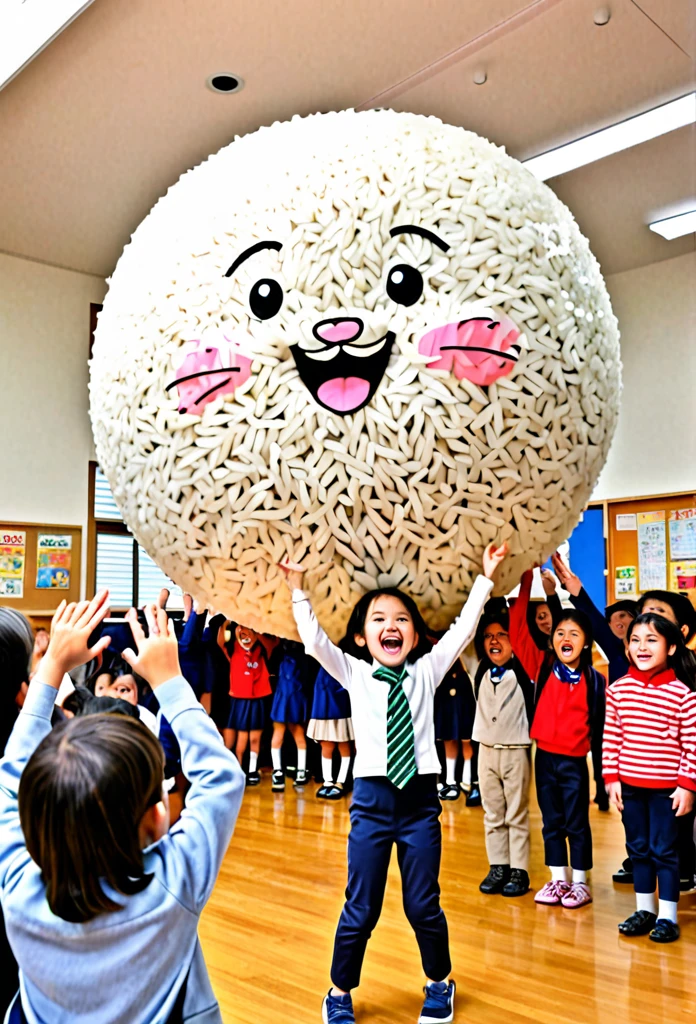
(625, 581)
(53, 561)
(682, 575)
(652, 551)
(13, 544)
(682, 533)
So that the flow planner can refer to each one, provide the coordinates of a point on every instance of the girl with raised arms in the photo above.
(392, 675)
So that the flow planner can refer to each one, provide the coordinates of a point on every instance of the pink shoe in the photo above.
(552, 893)
(578, 896)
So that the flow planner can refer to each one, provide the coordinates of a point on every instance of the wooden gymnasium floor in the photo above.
(268, 929)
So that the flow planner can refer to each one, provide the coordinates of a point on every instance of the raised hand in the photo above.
(548, 582)
(492, 558)
(157, 659)
(568, 580)
(71, 629)
(293, 573)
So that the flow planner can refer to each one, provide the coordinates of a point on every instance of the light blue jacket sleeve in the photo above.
(193, 850)
(32, 725)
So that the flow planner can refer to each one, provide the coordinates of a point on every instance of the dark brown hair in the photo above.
(82, 796)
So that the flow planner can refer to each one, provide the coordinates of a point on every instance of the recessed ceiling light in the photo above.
(225, 82)
(26, 29)
(674, 227)
(614, 139)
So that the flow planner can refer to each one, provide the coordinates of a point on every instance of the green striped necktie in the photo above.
(401, 745)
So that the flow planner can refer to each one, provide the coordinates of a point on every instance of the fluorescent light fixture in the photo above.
(28, 26)
(623, 135)
(673, 227)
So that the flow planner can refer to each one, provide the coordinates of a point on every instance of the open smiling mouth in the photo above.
(392, 644)
(343, 377)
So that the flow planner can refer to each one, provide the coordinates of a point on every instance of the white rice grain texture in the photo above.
(410, 487)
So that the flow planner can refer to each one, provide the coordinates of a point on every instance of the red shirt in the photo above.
(562, 718)
(650, 732)
(249, 676)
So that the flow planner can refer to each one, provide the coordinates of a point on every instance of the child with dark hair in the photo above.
(16, 654)
(391, 674)
(250, 688)
(569, 710)
(93, 885)
(505, 705)
(650, 766)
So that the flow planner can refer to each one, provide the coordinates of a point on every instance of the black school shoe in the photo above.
(253, 779)
(278, 782)
(334, 792)
(302, 777)
(686, 884)
(450, 793)
(496, 879)
(518, 884)
(641, 922)
(473, 797)
(624, 876)
(665, 931)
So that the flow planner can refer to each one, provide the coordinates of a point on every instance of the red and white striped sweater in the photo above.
(650, 732)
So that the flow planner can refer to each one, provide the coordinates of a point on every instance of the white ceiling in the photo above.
(115, 109)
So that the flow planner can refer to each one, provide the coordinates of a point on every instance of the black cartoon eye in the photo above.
(265, 298)
(404, 284)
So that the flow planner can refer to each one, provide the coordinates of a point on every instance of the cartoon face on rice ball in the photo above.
(371, 342)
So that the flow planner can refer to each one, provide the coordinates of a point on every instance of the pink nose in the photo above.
(338, 330)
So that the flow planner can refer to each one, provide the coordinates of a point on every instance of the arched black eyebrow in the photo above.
(257, 247)
(414, 229)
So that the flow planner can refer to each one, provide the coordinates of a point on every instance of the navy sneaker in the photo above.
(439, 1003)
(338, 1010)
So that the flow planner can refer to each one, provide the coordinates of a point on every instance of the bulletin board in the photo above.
(46, 558)
(652, 545)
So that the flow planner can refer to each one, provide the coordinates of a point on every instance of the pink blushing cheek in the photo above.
(205, 387)
(464, 349)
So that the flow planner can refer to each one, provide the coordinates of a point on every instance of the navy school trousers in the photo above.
(652, 840)
(563, 792)
(380, 816)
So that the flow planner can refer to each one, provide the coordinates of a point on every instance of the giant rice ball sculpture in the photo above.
(371, 342)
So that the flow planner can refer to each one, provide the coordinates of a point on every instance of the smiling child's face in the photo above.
(246, 637)
(542, 617)
(648, 649)
(619, 623)
(568, 643)
(125, 688)
(390, 634)
(496, 644)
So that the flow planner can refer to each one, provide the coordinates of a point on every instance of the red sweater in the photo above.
(562, 718)
(249, 676)
(521, 639)
(650, 732)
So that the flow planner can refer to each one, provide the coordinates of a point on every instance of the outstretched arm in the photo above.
(610, 644)
(316, 643)
(461, 632)
(521, 639)
(68, 647)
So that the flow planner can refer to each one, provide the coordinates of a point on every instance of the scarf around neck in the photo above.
(566, 674)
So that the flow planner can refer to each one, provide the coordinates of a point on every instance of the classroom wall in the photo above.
(45, 436)
(656, 307)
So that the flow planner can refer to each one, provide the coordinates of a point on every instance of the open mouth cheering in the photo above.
(342, 375)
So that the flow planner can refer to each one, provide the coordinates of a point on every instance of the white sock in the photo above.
(301, 759)
(276, 754)
(451, 769)
(559, 874)
(667, 911)
(646, 901)
(253, 758)
(327, 770)
(579, 876)
(343, 770)
(466, 773)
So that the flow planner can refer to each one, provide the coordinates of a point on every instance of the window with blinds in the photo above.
(122, 566)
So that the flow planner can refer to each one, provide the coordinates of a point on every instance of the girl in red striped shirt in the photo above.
(649, 766)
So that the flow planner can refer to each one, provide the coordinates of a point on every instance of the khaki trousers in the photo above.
(504, 776)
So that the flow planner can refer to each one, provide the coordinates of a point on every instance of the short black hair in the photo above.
(83, 702)
(684, 611)
(625, 605)
(356, 624)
